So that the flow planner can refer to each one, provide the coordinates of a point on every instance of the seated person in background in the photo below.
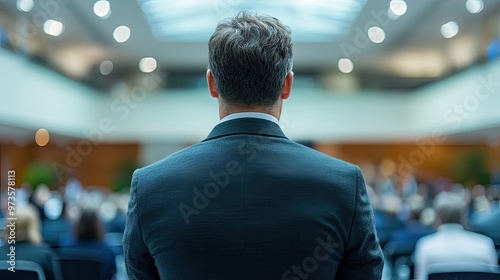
(413, 229)
(488, 222)
(55, 225)
(386, 220)
(88, 237)
(28, 242)
(453, 246)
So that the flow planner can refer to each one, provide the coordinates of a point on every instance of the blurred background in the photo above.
(91, 90)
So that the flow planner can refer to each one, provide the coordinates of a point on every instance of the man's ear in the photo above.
(287, 87)
(211, 85)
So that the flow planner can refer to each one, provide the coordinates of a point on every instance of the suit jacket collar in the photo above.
(251, 126)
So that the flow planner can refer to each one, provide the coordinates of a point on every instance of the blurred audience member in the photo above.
(28, 242)
(89, 237)
(386, 221)
(40, 196)
(413, 229)
(111, 215)
(453, 246)
(410, 186)
(55, 225)
(488, 221)
(73, 190)
(479, 201)
(385, 183)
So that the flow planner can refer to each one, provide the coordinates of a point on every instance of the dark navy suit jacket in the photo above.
(248, 203)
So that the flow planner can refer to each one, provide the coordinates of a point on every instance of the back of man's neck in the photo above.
(223, 112)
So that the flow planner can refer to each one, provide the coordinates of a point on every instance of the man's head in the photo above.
(449, 207)
(250, 62)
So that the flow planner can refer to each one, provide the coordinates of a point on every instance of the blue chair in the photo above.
(464, 275)
(79, 264)
(24, 270)
(114, 240)
(398, 254)
(463, 271)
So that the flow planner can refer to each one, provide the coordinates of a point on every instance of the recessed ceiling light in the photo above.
(53, 27)
(398, 7)
(25, 5)
(345, 65)
(106, 67)
(121, 33)
(449, 29)
(147, 64)
(102, 8)
(376, 34)
(474, 6)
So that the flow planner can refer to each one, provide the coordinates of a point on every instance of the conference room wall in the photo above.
(100, 167)
(103, 164)
(428, 161)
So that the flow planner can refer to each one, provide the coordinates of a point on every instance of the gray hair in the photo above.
(449, 207)
(250, 57)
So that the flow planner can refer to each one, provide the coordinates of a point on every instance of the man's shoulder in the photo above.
(202, 152)
(312, 155)
(478, 238)
(169, 160)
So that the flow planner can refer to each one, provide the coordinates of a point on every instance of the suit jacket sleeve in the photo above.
(138, 260)
(363, 258)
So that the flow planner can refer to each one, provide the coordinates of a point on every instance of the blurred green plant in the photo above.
(124, 176)
(38, 173)
(471, 168)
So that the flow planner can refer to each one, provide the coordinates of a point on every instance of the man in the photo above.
(453, 248)
(246, 202)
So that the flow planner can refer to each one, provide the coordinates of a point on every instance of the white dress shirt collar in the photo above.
(257, 115)
(448, 227)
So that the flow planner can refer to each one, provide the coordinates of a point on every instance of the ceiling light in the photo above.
(398, 7)
(42, 137)
(25, 5)
(147, 64)
(121, 33)
(106, 67)
(345, 65)
(53, 27)
(449, 29)
(376, 34)
(474, 6)
(102, 8)
(312, 20)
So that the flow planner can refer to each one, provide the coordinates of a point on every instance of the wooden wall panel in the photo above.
(97, 166)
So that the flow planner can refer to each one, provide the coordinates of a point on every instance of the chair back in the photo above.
(24, 270)
(114, 240)
(78, 264)
(463, 271)
(464, 275)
